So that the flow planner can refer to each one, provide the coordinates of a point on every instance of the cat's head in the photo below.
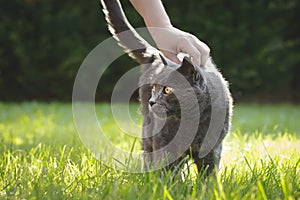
(174, 87)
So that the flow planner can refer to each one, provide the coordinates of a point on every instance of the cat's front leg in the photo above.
(160, 156)
(165, 159)
(147, 143)
(205, 165)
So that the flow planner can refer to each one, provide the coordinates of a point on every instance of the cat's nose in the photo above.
(151, 102)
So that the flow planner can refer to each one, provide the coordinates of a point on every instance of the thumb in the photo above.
(171, 56)
(187, 47)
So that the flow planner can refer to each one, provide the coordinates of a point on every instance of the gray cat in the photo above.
(186, 109)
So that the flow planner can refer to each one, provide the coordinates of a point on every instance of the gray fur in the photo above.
(166, 107)
(163, 117)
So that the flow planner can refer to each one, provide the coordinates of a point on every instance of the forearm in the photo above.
(153, 13)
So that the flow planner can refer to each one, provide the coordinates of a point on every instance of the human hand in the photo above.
(169, 39)
(172, 41)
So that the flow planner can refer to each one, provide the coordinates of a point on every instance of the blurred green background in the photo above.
(254, 43)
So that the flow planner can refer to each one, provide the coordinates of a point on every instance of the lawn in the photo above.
(42, 157)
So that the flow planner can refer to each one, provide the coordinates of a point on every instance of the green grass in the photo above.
(42, 157)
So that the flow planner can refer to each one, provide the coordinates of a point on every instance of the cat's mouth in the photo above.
(159, 110)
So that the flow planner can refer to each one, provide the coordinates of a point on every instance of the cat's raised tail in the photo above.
(134, 45)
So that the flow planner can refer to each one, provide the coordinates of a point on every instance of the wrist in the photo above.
(158, 23)
(147, 8)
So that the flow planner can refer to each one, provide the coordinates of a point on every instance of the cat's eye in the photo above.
(153, 88)
(167, 90)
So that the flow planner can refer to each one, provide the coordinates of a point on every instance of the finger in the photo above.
(188, 47)
(173, 57)
(203, 48)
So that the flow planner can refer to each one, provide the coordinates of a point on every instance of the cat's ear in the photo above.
(163, 60)
(166, 61)
(187, 69)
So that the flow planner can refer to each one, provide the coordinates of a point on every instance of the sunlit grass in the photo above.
(42, 157)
